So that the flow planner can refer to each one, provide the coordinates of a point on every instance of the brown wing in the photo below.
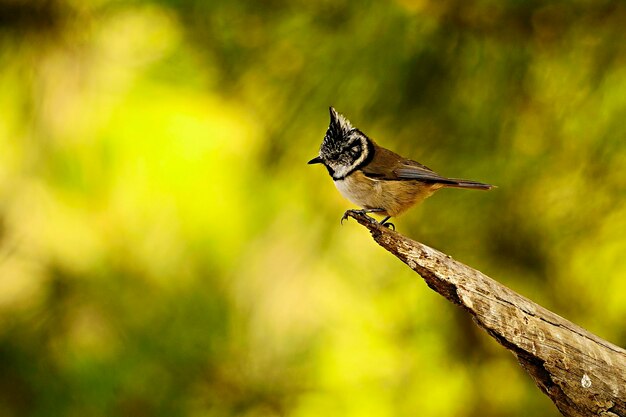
(416, 171)
(411, 170)
(388, 165)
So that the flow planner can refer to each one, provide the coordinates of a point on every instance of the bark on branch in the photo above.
(582, 374)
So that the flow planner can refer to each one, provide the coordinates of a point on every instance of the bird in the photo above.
(375, 178)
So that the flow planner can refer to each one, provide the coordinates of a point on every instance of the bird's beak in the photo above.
(316, 160)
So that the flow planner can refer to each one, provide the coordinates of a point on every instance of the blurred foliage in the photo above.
(165, 250)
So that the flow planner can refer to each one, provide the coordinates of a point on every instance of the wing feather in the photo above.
(389, 166)
(411, 170)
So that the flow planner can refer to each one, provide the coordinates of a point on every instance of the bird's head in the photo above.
(344, 148)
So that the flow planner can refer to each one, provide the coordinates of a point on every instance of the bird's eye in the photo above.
(355, 150)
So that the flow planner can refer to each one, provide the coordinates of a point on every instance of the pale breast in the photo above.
(394, 197)
(360, 190)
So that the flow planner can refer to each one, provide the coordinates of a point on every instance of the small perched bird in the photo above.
(377, 179)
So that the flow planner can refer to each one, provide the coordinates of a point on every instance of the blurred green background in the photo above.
(166, 251)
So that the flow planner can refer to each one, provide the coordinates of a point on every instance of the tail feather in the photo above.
(470, 185)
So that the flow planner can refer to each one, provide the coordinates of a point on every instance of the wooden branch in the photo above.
(582, 374)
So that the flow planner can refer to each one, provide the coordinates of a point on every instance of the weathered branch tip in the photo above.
(582, 374)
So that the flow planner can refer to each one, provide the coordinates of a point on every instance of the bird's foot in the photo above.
(389, 225)
(362, 211)
(384, 222)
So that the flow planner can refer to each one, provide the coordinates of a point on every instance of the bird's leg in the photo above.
(385, 223)
(362, 211)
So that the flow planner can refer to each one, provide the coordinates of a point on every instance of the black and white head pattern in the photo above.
(344, 148)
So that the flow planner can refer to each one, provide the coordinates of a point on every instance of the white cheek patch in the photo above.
(342, 170)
